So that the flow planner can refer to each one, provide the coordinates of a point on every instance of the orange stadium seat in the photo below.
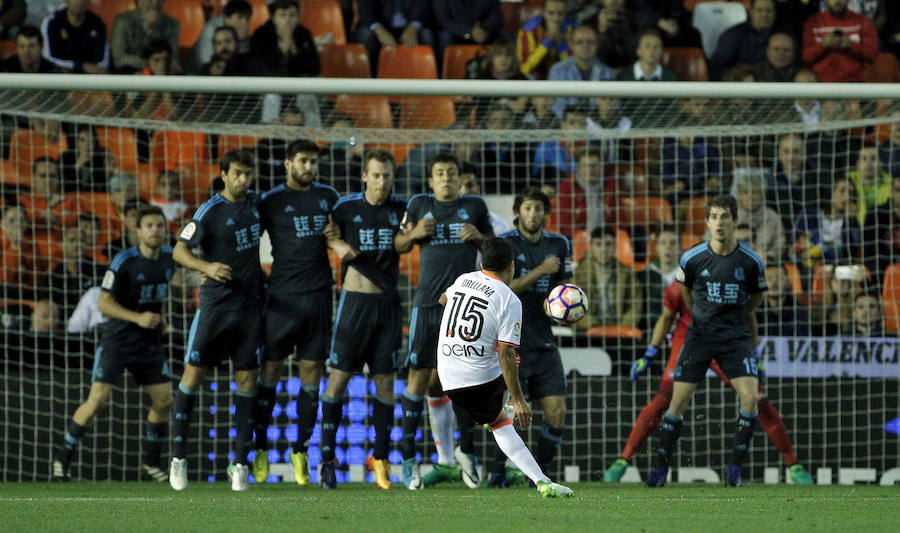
(100, 204)
(817, 292)
(884, 70)
(689, 240)
(367, 111)
(196, 179)
(121, 144)
(323, 16)
(170, 149)
(456, 56)
(625, 251)
(695, 215)
(793, 274)
(552, 222)
(890, 298)
(516, 14)
(191, 19)
(10, 175)
(228, 143)
(627, 332)
(10, 303)
(426, 112)
(409, 265)
(649, 210)
(345, 61)
(7, 48)
(260, 14)
(405, 62)
(688, 63)
(47, 245)
(581, 243)
(26, 145)
(108, 9)
(400, 150)
(93, 103)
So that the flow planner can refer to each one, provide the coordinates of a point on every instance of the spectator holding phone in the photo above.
(838, 43)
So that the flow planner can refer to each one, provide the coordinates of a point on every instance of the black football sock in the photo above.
(157, 436)
(243, 422)
(466, 430)
(74, 434)
(262, 412)
(383, 420)
(743, 433)
(669, 431)
(412, 412)
(309, 407)
(332, 411)
(549, 441)
(185, 399)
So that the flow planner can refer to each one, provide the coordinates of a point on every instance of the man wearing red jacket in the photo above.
(838, 43)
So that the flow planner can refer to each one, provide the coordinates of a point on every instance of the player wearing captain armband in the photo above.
(480, 329)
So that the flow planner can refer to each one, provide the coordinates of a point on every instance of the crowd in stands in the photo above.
(836, 39)
(822, 207)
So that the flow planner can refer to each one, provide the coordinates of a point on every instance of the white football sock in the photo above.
(511, 444)
(441, 418)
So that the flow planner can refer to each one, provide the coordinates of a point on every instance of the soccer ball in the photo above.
(566, 304)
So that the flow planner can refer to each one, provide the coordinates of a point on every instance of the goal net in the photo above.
(629, 172)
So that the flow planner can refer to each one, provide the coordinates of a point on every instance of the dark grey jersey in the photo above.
(295, 221)
(536, 332)
(721, 286)
(370, 229)
(228, 233)
(444, 256)
(138, 284)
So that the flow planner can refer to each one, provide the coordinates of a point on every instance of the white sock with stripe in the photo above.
(441, 418)
(511, 444)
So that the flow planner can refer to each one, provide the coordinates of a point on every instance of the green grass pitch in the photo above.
(93, 507)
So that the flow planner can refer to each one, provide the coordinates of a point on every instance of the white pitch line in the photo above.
(140, 499)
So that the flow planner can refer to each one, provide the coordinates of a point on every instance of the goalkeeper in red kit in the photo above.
(675, 309)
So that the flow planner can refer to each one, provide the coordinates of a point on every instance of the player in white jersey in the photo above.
(482, 317)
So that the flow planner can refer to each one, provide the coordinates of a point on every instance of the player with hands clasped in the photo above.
(368, 326)
(298, 298)
(449, 228)
(481, 325)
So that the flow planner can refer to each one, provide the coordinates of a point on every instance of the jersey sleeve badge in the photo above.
(108, 279)
(189, 231)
